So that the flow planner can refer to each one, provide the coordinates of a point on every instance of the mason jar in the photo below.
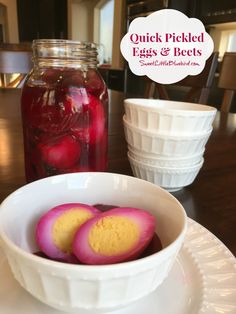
(64, 107)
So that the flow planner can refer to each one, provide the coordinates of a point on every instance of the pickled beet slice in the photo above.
(56, 228)
(91, 125)
(94, 82)
(51, 76)
(60, 153)
(73, 79)
(104, 208)
(153, 247)
(97, 153)
(117, 235)
(60, 111)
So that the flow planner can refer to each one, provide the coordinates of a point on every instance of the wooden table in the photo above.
(210, 200)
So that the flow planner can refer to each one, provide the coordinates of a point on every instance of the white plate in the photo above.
(202, 280)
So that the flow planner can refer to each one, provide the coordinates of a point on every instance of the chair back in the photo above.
(199, 85)
(16, 46)
(227, 80)
(11, 62)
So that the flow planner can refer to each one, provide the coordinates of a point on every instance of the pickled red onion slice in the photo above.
(55, 230)
(118, 235)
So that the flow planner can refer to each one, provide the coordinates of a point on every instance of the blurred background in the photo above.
(105, 22)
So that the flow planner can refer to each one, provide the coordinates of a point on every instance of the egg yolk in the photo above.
(65, 227)
(113, 235)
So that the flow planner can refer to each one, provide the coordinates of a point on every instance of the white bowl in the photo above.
(166, 145)
(82, 288)
(171, 179)
(165, 161)
(170, 117)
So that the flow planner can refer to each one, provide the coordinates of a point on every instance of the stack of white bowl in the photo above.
(166, 140)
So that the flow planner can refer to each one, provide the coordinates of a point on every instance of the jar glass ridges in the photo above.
(64, 110)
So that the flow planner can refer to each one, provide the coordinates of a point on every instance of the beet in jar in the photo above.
(64, 107)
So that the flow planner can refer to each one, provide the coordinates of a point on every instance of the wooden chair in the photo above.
(227, 80)
(199, 85)
(12, 62)
(16, 46)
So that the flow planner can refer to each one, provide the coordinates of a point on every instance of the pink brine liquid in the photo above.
(64, 114)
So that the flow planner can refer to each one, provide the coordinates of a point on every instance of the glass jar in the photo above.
(64, 110)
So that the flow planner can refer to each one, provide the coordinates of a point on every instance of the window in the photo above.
(105, 25)
(224, 37)
(232, 42)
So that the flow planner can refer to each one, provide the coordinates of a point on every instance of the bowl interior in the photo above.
(159, 104)
(21, 210)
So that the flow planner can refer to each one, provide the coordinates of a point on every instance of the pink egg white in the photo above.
(118, 235)
(55, 230)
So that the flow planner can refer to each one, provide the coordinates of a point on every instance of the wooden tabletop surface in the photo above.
(210, 200)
